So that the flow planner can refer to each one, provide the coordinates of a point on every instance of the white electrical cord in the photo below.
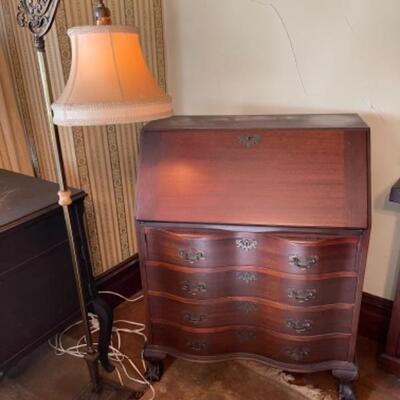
(121, 296)
(114, 353)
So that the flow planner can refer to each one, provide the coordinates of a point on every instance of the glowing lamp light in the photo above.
(109, 81)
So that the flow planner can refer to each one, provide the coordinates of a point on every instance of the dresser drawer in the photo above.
(35, 298)
(292, 253)
(253, 312)
(30, 240)
(208, 283)
(283, 348)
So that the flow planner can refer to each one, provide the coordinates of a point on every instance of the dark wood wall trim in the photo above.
(375, 317)
(124, 279)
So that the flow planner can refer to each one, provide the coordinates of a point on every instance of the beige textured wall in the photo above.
(294, 56)
(101, 160)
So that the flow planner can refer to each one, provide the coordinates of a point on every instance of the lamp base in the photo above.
(92, 361)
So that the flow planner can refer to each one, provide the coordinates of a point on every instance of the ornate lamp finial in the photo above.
(38, 17)
(102, 14)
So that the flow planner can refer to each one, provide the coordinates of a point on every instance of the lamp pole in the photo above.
(120, 100)
(38, 16)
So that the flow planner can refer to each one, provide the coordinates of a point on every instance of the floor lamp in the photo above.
(109, 83)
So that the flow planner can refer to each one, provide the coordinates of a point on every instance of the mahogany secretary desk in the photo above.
(253, 237)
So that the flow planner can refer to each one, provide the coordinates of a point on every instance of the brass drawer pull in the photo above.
(303, 262)
(246, 307)
(193, 289)
(246, 244)
(298, 353)
(302, 296)
(300, 326)
(247, 276)
(246, 336)
(191, 255)
(196, 346)
(194, 318)
(249, 140)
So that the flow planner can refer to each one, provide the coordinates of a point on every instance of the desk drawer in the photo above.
(228, 340)
(291, 253)
(296, 321)
(30, 240)
(209, 283)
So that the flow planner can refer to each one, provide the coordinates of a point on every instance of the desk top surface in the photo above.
(292, 121)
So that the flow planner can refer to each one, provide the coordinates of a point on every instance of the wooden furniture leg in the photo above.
(155, 365)
(346, 379)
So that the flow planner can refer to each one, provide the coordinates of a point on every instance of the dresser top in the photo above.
(23, 198)
(191, 172)
(295, 121)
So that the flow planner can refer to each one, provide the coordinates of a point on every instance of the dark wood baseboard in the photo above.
(124, 279)
(375, 317)
(389, 364)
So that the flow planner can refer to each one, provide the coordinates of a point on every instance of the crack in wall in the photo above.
(296, 62)
(375, 110)
(370, 105)
(349, 23)
(363, 61)
(290, 40)
(259, 2)
(347, 19)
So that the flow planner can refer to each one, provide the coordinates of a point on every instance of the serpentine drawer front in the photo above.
(253, 235)
(296, 254)
(253, 312)
(211, 283)
(254, 341)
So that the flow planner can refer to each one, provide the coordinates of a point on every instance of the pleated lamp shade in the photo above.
(109, 81)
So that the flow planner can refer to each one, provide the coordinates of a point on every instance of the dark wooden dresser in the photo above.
(37, 287)
(253, 239)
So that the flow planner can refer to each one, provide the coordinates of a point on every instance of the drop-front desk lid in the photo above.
(296, 170)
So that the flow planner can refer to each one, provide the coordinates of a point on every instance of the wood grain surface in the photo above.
(301, 253)
(254, 312)
(321, 180)
(252, 340)
(251, 281)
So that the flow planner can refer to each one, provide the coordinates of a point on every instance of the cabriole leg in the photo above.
(346, 391)
(155, 365)
(346, 378)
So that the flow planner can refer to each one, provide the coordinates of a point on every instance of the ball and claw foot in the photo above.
(154, 371)
(346, 391)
